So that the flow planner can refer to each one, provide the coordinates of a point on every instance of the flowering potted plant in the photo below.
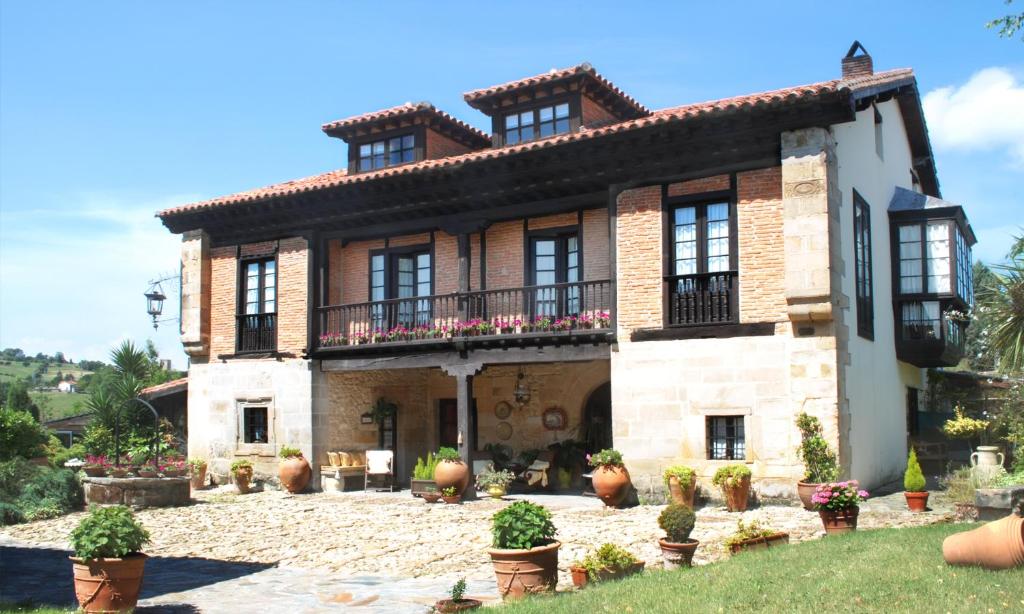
(485, 328)
(358, 338)
(681, 483)
(914, 485)
(148, 470)
(108, 562)
(197, 472)
(677, 548)
(542, 323)
(377, 336)
(95, 466)
(610, 477)
(734, 480)
(524, 552)
(820, 462)
(451, 495)
(241, 471)
(753, 536)
(585, 320)
(837, 504)
(173, 467)
(566, 323)
(609, 562)
(293, 470)
(604, 319)
(493, 482)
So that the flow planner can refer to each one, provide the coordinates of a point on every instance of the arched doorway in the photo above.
(597, 419)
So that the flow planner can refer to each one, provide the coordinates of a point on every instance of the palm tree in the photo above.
(1003, 300)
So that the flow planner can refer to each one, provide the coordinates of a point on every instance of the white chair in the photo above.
(379, 464)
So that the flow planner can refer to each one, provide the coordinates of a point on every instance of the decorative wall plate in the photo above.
(502, 410)
(554, 419)
(503, 430)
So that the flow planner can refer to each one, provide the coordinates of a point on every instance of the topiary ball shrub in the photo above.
(521, 526)
(108, 533)
(913, 478)
(677, 521)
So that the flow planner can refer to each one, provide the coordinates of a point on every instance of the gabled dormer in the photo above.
(933, 288)
(553, 103)
(400, 135)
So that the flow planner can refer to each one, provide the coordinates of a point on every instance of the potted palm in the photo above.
(493, 482)
(524, 552)
(457, 601)
(676, 547)
(753, 536)
(681, 483)
(820, 462)
(609, 562)
(241, 472)
(197, 472)
(108, 563)
(610, 477)
(450, 470)
(293, 470)
(734, 480)
(838, 505)
(914, 485)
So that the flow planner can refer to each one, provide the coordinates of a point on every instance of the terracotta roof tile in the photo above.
(175, 385)
(338, 127)
(336, 178)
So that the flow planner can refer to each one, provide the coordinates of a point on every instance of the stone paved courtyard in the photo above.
(372, 540)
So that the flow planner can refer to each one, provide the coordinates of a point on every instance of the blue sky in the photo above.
(112, 110)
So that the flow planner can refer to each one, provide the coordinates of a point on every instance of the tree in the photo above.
(1002, 299)
(980, 356)
(18, 399)
(1008, 25)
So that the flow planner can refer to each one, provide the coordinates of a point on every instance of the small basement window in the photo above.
(254, 425)
(726, 440)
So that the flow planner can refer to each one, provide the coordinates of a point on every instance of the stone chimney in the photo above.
(857, 65)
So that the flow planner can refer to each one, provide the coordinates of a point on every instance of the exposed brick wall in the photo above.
(446, 263)
(223, 296)
(761, 245)
(421, 239)
(474, 262)
(595, 244)
(505, 255)
(355, 270)
(440, 146)
(334, 272)
(639, 259)
(554, 221)
(595, 114)
(292, 294)
(696, 186)
(263, 248)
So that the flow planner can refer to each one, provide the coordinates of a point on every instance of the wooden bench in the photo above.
(340, 479)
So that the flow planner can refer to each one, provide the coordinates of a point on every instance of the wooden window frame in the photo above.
(709, 422)
(240, 302)
(560, 235)
(864, 290)
(575, 117)
(390, 279)
(419, 134)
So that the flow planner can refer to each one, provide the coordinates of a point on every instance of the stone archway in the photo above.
(597, 419)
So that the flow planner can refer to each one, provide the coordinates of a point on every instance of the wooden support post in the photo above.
(463, 374)
(463, 275)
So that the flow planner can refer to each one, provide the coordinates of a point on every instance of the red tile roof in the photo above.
(331, 179)
(341, 126)
(476, 98)
(159, 390)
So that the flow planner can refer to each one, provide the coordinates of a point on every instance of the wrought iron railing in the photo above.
(945, 329)
(565, 307)
(705, 298)
(257, 332)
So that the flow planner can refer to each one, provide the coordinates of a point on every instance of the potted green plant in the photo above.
(838, 505)
(241, 472)
(820, 462)
(457, 601)
(493, 482)
(423, 475)
(676, 547)
(450, 470)
(293, 470)
(382, 410)
(914, 484)
(197, 472)
(681, 483)
(108, 563)
(753, 536)
(148, 470)
(609, 562)
(609, 477)
(451, 495)
(734, 480)
(524, 552)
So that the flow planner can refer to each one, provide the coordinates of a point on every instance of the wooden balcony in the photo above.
(567, 313)
(256, 333)
(705, 298)
(931, 342)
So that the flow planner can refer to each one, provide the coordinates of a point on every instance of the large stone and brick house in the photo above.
(678, 283)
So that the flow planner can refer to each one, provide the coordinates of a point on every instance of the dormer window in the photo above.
(387, 152)
(536, 123)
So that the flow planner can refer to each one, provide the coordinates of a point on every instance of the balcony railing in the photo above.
(931, 342)
(705, 298)
(532, 310)
(256, 332)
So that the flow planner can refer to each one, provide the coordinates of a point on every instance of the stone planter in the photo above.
(678, 555)
(760, 543)
(294, 473)
(136, 492)
(611, 484)
(965, 512)
(805, 490)
(419, 487)
(108, 585)
(917, 501)
(580, 577)
(683, 495)
(452, 473)
(522, 572)
(838, 522)
(996, 503)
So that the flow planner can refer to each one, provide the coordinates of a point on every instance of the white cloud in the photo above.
(985, 113)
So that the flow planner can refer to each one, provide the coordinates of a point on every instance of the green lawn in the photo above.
(888, 570)
(28, 608)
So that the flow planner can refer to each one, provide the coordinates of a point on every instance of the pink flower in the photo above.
(862, 494)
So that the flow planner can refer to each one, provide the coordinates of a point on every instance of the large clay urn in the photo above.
(737, 493)
(682, 493)
(986, 461)
(451, 473)
(995, 545)
(294, 473)
(805, 490)
(198, 477)
(108, 585)
(522, 572)
(243, 477)
(611, 484)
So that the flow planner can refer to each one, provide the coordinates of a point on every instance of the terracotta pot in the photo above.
(173, 473)
(611, 484)
(198, 477)
(452, 500)
(521, 572)
(95, 472)
(147, 473)
(737, 494)
(108, 585)
(681, 495)
(119, 473)
(805, 490)
(580, 576)
(917, 501)
(242, 479)
(452, 473)
(431, 497)
(294, 473)
(450, 605)
(678, 555)
(838, 522)
(760, 543)
(994, 545)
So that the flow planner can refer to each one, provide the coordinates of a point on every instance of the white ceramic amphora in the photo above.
(987, 456)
